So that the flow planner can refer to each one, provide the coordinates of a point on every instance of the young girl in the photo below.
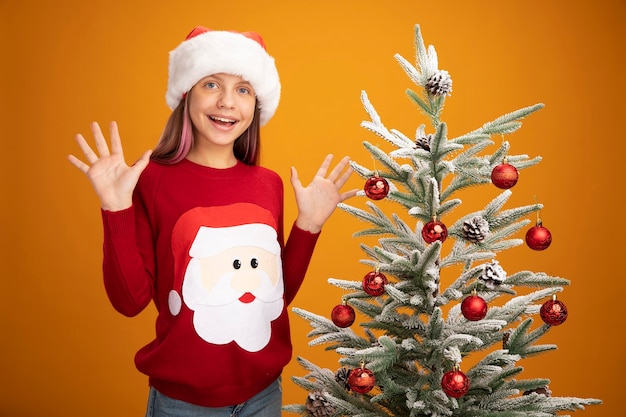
(196, 226)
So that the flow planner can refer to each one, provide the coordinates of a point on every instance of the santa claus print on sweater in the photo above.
(232, 277)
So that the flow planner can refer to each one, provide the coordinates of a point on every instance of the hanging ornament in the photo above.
(374, 283)
(376, 187)
(475, 229)
(342, 315)
(473, 307)
(553, 312)
(434, 230)
(538, 237)
(361, 380)
(455, 383)
(504, 175)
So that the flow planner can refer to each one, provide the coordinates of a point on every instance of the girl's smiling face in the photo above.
(221, 108)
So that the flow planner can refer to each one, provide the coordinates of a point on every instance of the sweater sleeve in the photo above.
(128, 279)
(296, 258)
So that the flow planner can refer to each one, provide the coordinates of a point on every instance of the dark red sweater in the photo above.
(139, 267)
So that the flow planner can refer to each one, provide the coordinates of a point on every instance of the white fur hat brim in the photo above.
(213, 52)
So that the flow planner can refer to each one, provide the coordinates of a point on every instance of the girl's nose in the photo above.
(226, 100)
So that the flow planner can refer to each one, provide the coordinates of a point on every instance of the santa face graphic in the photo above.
(233, 283)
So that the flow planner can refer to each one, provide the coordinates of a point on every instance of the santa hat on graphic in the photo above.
(204, 232)
(205, 52)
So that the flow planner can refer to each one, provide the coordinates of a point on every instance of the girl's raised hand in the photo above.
(318, 200)
(112, 180)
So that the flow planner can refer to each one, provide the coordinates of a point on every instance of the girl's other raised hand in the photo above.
(317, 201)
(111, 178)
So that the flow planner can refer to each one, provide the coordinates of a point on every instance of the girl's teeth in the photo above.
(219, 119)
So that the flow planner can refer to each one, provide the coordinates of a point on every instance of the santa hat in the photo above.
(205, 52)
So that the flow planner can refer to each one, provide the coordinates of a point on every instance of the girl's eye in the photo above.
(210, 84)
(244, 90)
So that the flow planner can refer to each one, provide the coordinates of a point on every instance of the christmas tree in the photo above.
(407, 360)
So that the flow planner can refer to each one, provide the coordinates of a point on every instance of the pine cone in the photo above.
(318, 406)
(424, 142)
(439, 84)
(475, 229)
(505, 338)
(341, 376)
(493, 275)
(541, 390)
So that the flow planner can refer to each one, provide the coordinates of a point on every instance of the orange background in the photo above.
(65, 352)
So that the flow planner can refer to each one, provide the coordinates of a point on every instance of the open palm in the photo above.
(318, 200)
(112, 179)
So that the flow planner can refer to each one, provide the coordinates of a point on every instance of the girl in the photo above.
(196, 226)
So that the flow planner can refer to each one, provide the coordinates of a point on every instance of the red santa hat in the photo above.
(205, 52)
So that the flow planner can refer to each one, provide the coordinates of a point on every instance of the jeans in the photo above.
(267, 403)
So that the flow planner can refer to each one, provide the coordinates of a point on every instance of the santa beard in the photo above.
(220, 317)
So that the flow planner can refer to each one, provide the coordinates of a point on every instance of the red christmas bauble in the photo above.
(361, 380)
(376, 188)
(374, 283)
(342, 315)
(434, 230)
(504, 176)
(474, 308)
(455, 383)
(538, 237)
(553, 312)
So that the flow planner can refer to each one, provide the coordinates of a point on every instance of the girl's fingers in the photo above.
(87, 151)
(344, 177)
(142, 162)
(101, 146)
(339, 168)
(324, 167)
(348, 194)
(295, 180)
(116, 142)
(78, 163)
(101, 143)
